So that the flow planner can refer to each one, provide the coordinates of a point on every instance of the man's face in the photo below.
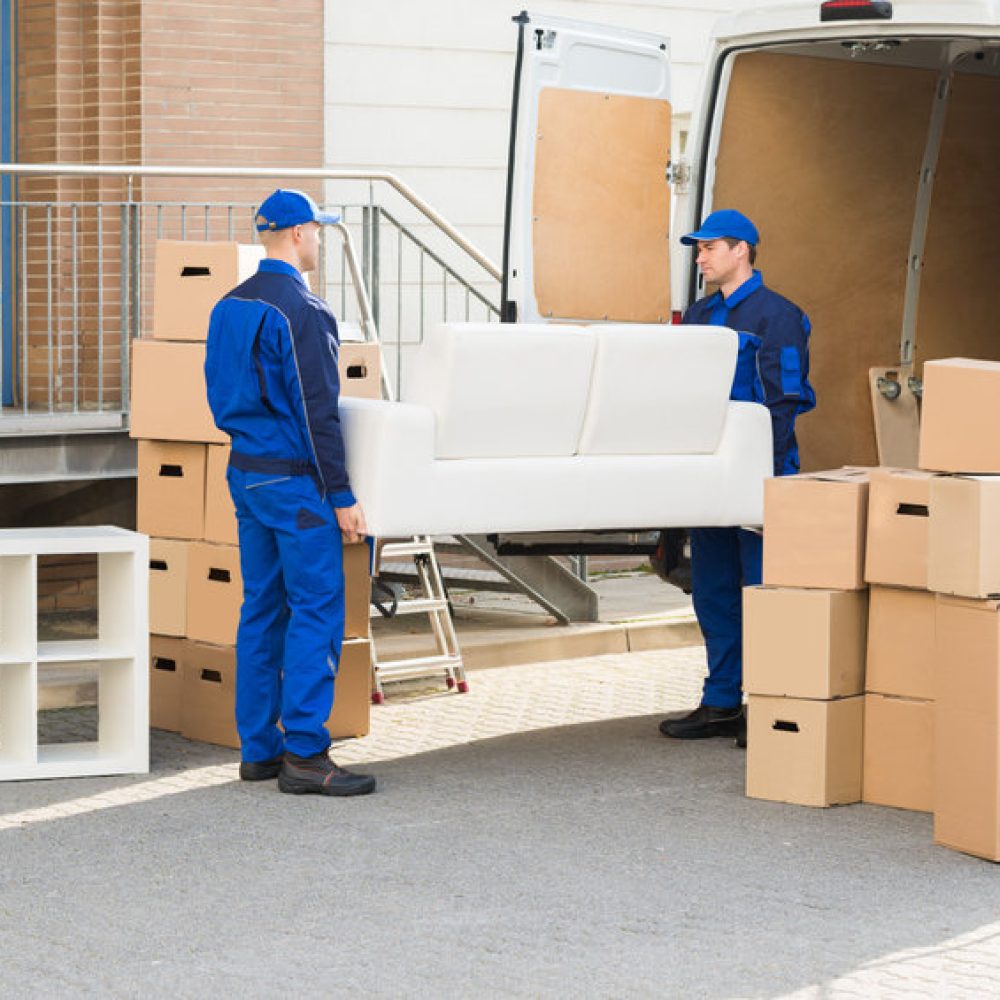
(309, 245)
(718, 261)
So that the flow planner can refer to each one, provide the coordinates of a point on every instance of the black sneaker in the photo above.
(320, 776)
(703, 723)
(260, 770)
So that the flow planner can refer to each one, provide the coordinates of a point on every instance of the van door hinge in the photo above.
(679, 174)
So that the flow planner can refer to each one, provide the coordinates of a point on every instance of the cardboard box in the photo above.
(964, 539)
(357, 590)
(220, 515)
(214, 593)
(353, 691)
(208, 709)
(170, 489)
(967, 727)
(898, 527)
(168, 564)
(901, 643)
(899, 753)
(801, 643)
(169, 400)
(165, 683)
(959, 416)
(804, 752)
(814, 529)
(360, 367)
(190, 276)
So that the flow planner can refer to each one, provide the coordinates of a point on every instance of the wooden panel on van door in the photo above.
(824, 155)
(957, 315)
(601, 208)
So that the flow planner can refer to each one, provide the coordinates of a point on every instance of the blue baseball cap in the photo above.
(724, 222)
(285, 208)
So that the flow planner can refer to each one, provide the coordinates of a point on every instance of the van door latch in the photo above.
(679, 174)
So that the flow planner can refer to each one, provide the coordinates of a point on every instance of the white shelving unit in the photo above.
(119, 654)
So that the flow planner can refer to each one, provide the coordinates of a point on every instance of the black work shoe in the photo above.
(741, 734)
(320, 776)
(260, 770)
(703, 723)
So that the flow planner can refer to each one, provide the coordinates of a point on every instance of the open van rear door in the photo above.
(588, 201)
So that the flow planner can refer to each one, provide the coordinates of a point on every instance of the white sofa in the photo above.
(520, 427)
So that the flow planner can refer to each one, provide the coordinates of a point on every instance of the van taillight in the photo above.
(855, 10)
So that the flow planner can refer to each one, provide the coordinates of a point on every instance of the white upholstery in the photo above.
(658, 390)
(406, 487)
(504, 391)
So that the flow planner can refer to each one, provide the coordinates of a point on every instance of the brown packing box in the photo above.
(964, 541)
(171, 489)
(898, 523)
(169, 401)
(804, 643)
(357, 590)
(353, 691)
(804, 752)
(901, 643)
(214, 593)
(168, 586)
(814, 529)
(959, 416)
(899, 752)
(165, 682)
(360, 367)
(209, 694)
(967, 727)
(220, 516)
(190, 277)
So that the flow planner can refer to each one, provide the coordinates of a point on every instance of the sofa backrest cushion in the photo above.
(658, 390)
(504, 390)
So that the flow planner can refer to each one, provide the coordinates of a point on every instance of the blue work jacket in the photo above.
(271, 373)
(774, 340)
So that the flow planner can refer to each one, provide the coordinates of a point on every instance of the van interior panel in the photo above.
(957, 316)
(825, 155)
(601, 207)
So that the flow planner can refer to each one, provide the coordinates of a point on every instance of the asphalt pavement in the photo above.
(535, 837)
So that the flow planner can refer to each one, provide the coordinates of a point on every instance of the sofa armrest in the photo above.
(747, 450)
(390, 449)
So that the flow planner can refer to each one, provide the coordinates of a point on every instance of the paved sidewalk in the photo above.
(533, 838)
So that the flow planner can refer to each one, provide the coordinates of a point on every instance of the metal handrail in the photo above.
(303, 173)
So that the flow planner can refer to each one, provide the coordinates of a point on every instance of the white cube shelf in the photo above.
(119, 654)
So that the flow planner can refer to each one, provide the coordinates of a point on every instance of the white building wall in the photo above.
(423, 89)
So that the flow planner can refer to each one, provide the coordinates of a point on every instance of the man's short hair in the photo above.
(731, 242)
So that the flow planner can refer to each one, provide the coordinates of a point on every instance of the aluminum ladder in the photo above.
(433, 603)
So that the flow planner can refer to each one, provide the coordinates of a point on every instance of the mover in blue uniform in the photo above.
(772, 368)
(273, 386)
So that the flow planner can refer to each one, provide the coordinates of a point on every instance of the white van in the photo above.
(861, 136)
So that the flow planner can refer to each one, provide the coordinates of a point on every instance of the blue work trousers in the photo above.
(723, 562)
(292, 619)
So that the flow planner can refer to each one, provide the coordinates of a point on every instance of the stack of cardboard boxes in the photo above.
(919, 649)
(961, 415)
(185, 508)
(805, 630)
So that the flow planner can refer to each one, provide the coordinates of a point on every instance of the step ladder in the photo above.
(433, 603)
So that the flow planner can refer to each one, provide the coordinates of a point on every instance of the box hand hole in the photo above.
(172, 471)
(913, 509)
(195, 271)
(213, 676)
(785, 727)
(219, 575)
(162, 663)
(159, 564)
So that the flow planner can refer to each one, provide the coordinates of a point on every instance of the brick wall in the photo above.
(229, 82)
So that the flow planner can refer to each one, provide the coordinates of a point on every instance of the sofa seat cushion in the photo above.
(405, 491)
(658, 390)
(504, 390)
